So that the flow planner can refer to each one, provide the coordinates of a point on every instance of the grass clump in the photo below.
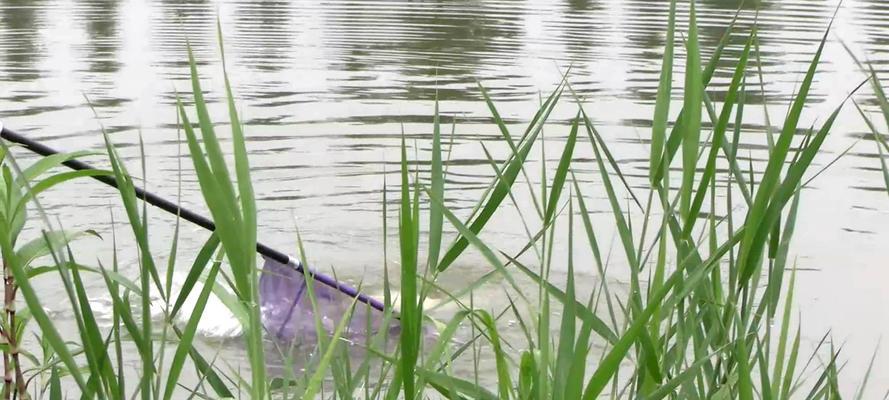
(707, 315)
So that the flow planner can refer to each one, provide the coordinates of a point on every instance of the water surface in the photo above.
(326, 89)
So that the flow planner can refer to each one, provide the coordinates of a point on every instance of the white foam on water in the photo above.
(217, 320)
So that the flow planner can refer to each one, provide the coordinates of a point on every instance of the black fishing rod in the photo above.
(188, 215)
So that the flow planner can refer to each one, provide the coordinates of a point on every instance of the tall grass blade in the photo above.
(510, 173)
(662, 102)
(436, 220)
(558, 182)
(694, 92)
(186, 339)
(755, 236)
(719, 130)
(234, 215)
(410, 314)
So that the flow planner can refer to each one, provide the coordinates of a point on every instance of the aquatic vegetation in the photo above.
(708, 312)
(17, 188)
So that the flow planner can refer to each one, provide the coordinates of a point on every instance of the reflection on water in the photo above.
(20, 20)
(265, 31)
(438, 46)
(101, 18)
(327, 88)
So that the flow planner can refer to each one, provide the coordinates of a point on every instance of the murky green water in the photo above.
(326, 88)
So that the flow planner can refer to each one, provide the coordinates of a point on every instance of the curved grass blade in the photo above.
(314, 383)
(195, 272)
(188, 334)
(611, 361)
(233, 215)
(510, 173)
(47, 327)
(47, 163)
(558, 182)
(682, 378)
(675, 138)
(51, 182)
(880, 144)
(504, 131)
(43, 245)
(582, 312)
(755, 236)
(127, 193)
(718, 137)
(471, 238)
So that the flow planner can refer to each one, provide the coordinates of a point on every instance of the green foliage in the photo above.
(18, 188)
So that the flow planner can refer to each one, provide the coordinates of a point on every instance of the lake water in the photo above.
(327, 87)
